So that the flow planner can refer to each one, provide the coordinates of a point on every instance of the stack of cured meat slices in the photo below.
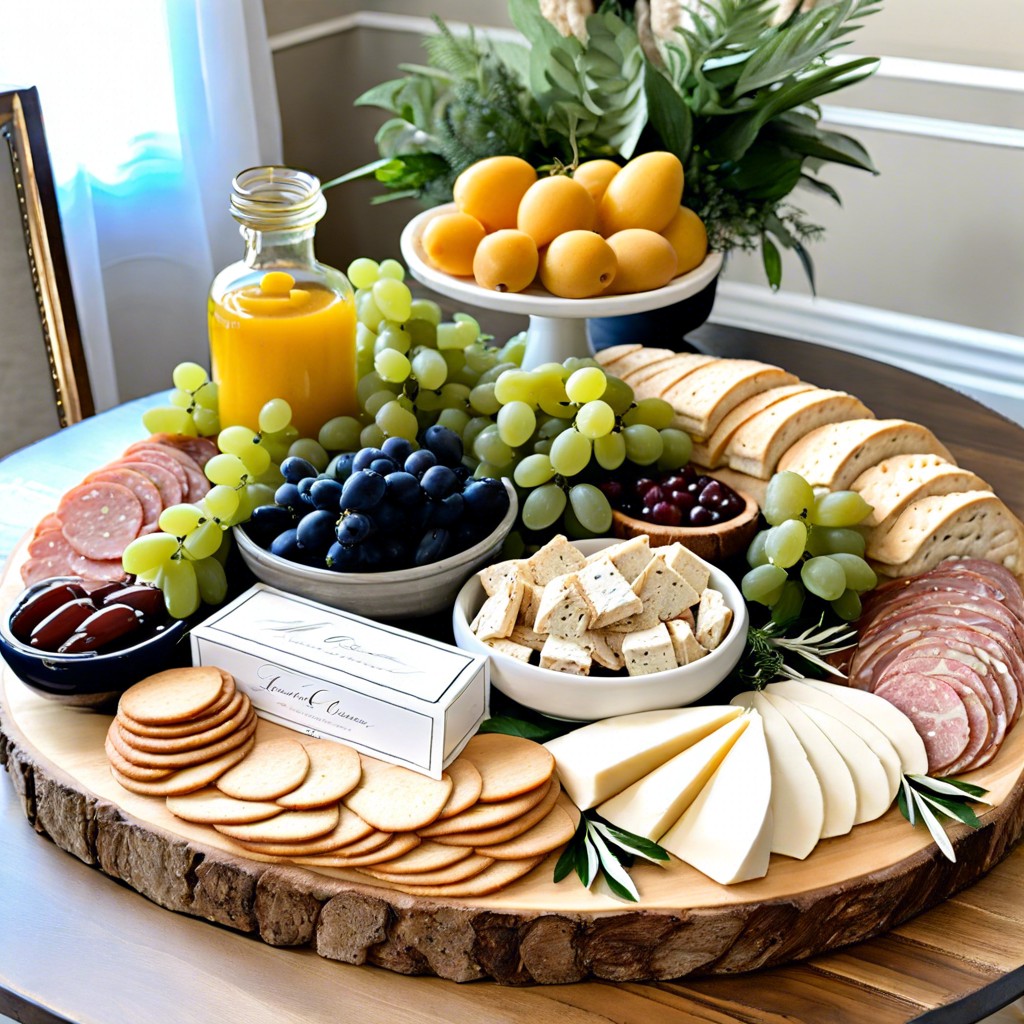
(947, 648)
(95, 521)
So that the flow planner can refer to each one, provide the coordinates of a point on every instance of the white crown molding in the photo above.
(987, 364)
(928, 127)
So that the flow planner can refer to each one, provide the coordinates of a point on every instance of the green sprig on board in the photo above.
(598, 849)
(923, 798)
(768, 646)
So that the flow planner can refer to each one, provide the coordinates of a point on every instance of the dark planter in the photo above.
(659, 328)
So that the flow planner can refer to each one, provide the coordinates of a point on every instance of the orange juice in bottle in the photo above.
(282, 325)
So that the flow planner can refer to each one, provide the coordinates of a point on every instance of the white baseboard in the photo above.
(987, 365)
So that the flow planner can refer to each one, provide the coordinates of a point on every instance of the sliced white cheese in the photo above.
(654, 803)
(869, 778)
(896, 726)
(727, 831)
(603, 758)
(798, 804)
(798, 690)
(834, 777)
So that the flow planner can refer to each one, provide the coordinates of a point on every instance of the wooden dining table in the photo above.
(76, 945)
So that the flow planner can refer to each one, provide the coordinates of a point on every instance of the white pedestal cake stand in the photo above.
(558, 327)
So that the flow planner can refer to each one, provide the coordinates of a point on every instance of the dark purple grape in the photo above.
(486, 500)
(343, 558)
(665, 514)
(395, 552)
(674, 482)
(372, 557)
(363, 491)
(444, 443)
(304, 487)
(398, 449)
(712, 495)
(403, 487)
(316, 531)
(294, 469)
(613, 491)
(643, 485)
(419, 462)
(384, 466)
(364, 457)
(653, 495)
(433, 547)
(326, 494)
(700, 516)
(391, 517)
(354, 528)
(438, 482)
(287, 496)
(340, 467)
(267, 521)
(286, 545)
(448, 511)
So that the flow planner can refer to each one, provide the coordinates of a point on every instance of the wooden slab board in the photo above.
(849, 889)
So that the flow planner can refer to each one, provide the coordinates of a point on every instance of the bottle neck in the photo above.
(279, 248)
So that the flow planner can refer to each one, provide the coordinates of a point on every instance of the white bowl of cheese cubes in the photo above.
(659, 626)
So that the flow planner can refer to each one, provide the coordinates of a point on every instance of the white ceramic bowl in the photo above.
(588, 698)
(401, 594)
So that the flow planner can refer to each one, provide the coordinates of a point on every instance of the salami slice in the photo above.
(100, 519)
(50, 544)
(48, 522)
(158, 456)
(198, 485)
(938, 714)
(200, 449)
(994, 584)
(102, 571)
(164, 480)
(35, 570)
(141, 486)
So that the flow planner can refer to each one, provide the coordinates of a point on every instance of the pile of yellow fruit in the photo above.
(605, 230)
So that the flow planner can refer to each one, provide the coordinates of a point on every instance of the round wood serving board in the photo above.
(849, 889)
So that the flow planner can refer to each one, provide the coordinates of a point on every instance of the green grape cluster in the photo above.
(193, 405)
(811, 546)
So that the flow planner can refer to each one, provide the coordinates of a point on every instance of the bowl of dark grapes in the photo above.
(707, 516)
(390, 532)
(83, 645)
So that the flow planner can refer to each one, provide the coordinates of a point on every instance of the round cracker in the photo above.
(426, 858)
(350, 832)
(394, 847)
(334, 771)
(469, 866)
(509, 765)
(467, 784)
(274, 767)
(286, 827)
(173, 695)
(500, 874)
(183, 758)
(125, 767)
(209, 806)
(395, 799)
(187, 780)
(480, 816)
(224, 708)
(555, 829)
(510, 829)
(174, 744)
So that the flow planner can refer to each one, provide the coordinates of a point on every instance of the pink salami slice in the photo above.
(100, 519)
(967, 572)
(48, 522)
(35, 570)
(198, 485)
(200, 449)
(141, 486)
(158, 456)
(50, 544)
(969, 607)
(163, 479)
(993, 570)
(938, 714)
(107, 570)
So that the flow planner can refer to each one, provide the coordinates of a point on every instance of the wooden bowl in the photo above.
(712, 543)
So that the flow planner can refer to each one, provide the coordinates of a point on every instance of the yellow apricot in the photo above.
(450, 241)
(645, 194)
(577, 265)
(554, 205)
(689, 238)
(646, 260)
(506, 261)
(491, 188)
(594, 176)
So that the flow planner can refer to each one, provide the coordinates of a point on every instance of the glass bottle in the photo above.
(282, 325)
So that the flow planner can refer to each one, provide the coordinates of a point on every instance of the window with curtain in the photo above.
(151, 107)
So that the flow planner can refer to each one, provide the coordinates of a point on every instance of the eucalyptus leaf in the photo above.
(950, 787)
(952, 809)
(615, 874)
(634, 845)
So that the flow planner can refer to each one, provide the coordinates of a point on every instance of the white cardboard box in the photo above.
(393, 695)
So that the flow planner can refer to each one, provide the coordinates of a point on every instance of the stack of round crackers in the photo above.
(495, 814)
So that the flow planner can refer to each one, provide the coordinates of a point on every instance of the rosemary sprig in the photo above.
(768, 647)
(922, 797)
(598, 848)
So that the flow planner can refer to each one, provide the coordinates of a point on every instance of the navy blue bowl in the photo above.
(94, 679)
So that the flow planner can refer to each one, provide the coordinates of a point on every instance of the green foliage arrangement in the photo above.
(733, 94)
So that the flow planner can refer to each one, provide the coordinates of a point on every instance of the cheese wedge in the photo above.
(603, 758)
(837, 786)
(834, 454)
(704, 398)
(808, 696)
(756, 447)
(890, 720)
(798, 804)
(726, 832)
(654, 803)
